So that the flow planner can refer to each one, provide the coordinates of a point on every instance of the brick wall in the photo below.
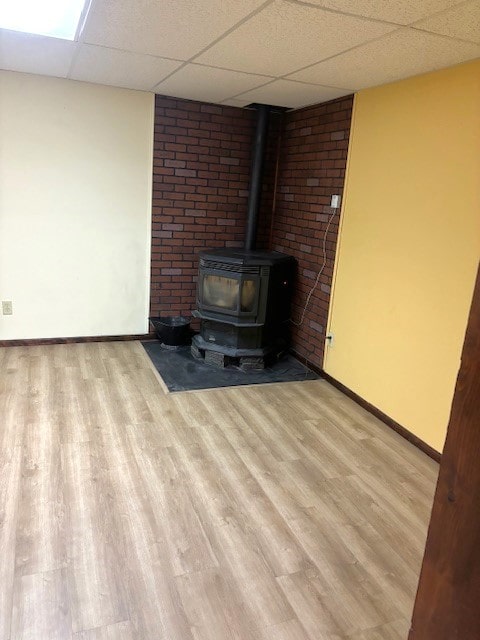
(312, 167)
(201, 166)
(200, 186)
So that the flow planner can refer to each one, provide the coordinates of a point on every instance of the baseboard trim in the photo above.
(405, 433)
(31, 342)
(311, 365)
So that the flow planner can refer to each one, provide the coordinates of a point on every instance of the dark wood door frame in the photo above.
(447, 606)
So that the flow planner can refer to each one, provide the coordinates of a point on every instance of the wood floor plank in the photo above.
(95, 582)
(118, 631)
(77, 414)
(41, 607)
(397, 630)
(40, 543)
(154, 603)
(14, 399)
(10, 486)
(265, 512)
(309, 605)
(188, 546)
(289, 630)
(246, 563)
(213, 607)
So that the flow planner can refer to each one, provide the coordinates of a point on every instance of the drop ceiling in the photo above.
(285, 52)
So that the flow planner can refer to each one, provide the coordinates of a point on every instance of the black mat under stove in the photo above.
(181, 372)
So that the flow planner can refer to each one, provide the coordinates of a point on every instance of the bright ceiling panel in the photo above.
(397, 55)
(197, 82)
(236, 102)
(399, 12)
(35, 54)
(120, 68)
(53, 18)
(462, 22)
(285, 93)
(219, 50)
(285, 37)
(166, 28)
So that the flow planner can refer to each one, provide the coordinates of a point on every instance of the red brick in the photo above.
(175, 163)
(201, 180)
(187, 173)
(171, 272)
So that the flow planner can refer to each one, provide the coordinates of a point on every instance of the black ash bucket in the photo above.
(173, 331)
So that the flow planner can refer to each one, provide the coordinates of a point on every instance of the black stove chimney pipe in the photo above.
(258, 155)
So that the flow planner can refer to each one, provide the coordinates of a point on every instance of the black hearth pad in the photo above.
(181, 372)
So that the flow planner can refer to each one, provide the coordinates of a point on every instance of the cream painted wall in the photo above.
(409, 246)
(75, 207)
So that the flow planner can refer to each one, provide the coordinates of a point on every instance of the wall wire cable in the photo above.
(319, 274)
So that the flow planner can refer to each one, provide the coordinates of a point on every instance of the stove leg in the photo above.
(217, 359)
(252, 363)
(195, 351)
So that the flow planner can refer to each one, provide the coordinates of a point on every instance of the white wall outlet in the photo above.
(335, 202)
(329, 339)
(7, 308)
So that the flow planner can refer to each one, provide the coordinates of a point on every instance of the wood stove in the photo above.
(244, 295)
(243, 302)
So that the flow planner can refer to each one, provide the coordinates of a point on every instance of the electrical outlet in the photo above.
(335, 202)
(7, 308)
(329, 339)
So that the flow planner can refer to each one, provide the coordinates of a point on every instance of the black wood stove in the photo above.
(244, 295)
(243, 302)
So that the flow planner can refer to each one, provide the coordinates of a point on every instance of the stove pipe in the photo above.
(256, 173)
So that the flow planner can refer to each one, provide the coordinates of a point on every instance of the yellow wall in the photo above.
(409, 246)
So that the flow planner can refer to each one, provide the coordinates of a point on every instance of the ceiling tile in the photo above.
(197, 82)
(236, 102)
(166, 28)
(461, 22)
(120, 68)
(35, 54)
(285, 93)
(284, 37)
(400, 11)
(397, 55)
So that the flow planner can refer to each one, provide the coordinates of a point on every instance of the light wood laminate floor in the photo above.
(273, 512)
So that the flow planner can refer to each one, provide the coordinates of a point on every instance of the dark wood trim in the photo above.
(405, 433)
(40, 341)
